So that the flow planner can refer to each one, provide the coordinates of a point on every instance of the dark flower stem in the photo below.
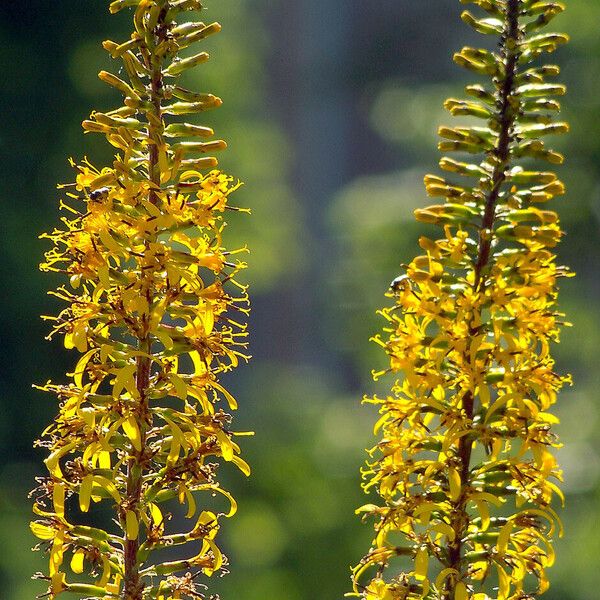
(133, 586)
(499, 157)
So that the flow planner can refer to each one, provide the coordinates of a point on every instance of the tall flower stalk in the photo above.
(157, 315)
(464, 467)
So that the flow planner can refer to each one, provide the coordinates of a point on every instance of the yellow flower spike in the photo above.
(464, 468)
(149, 283)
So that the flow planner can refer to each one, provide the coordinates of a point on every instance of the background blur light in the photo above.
(331, 110)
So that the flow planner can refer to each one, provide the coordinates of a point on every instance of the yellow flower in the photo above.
(464, 467)
(154, 308)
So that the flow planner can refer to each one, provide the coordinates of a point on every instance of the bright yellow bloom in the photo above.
(154, 308)
(464, 467)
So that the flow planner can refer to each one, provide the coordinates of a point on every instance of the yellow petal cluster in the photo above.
(464, 467)
(154, 309)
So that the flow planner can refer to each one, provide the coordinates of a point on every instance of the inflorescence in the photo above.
(154, 308)
(464, 467)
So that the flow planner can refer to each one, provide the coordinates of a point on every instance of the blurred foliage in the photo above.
(338, 109)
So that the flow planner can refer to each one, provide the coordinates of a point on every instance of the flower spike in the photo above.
(154, 309)
(464, 467)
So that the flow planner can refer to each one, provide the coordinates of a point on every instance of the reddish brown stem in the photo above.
(500, 156)
(501, 153)
(133, 586)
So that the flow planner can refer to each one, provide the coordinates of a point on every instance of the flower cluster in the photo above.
(154, 308)
(465, 468)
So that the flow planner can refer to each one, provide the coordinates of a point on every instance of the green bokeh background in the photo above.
(331, 109)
